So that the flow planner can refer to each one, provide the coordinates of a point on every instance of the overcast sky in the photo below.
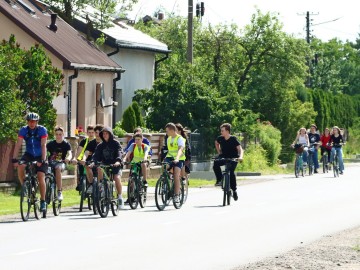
(339, 19)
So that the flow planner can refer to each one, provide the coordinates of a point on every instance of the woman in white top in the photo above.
(302, 139)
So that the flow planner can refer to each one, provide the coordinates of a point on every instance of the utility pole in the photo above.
(190, 32)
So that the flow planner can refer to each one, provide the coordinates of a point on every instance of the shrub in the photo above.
(129, 120)
(118, 131)
(139, 119)
(254, 159)
(270, 141)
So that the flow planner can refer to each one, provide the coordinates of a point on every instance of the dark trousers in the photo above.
(218, 172)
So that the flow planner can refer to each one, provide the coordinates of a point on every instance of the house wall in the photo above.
(139, 74)
(90, 78)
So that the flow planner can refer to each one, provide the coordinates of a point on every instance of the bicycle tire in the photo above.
(25, 200)
(103, 204)
(56, 204)
(114, 201)
(311, 164)
(142, 194)
(178, 205)
(94, 196)
(226, 188)
(161, 193)
(48, 190)
(297, 167)
(82, 192)
(132, 193)
(186, 188)
(336, 166)
(229, 195)
(38, 214)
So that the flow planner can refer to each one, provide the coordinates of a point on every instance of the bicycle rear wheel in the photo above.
(161, 193)
(178, 204)
(25, 200)
(186, 188)
(132, 193)
(103, 198)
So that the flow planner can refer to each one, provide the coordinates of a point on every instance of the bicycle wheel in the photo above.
(103, 204)
(178, 204)
(94, 196)
(25, 200)
(132, 193)
(48, 198)
(336, 166)
(161, 193)
(114, 200)
(226, 188)
(297, 167)
(56, 204)
(186, 188)
(38, 214)
(311, 164)
(82, 192)
(142, 194)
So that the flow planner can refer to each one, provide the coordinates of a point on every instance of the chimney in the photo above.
(53, 26)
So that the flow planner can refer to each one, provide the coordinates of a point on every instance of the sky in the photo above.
(330, 19)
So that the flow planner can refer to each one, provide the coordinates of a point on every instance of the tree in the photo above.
(139, 119)
(12, 108)
(129, 120)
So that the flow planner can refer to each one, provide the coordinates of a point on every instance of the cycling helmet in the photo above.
(32, 116)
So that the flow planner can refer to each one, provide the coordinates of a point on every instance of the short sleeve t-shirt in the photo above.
(33, 138)
(58, 151)
(313, 138)
(337, 140)
(91, 148)
(228, 147)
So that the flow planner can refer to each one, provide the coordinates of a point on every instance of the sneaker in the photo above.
(145, 183)
(121, 203)
(60, 196)
(341, 172)
(176, 199)
(90, 189)
(218, 184)
(42, 206)
(127, 201)
(235, 195)
(316, 171)
(78, 187)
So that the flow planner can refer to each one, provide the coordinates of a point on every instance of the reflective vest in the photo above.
(139, 154)
(80, 157)
(173, 148)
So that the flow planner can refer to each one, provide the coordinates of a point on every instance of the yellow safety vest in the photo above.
(83, 150)
(139, 154)
(174, 148)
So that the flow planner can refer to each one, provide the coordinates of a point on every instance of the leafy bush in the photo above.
(118, 131)
(254, 159)
(352, 146)
(270, 141)
(139, 119)
(129, 120)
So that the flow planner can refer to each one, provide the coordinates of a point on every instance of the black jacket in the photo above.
(108, 152)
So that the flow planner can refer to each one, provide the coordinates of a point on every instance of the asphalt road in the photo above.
(270, 217)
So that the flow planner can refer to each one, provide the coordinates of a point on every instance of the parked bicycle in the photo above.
(29, 192)
(299, 164)
(106, 194)
(136, 190)
(225, 181)
(51, 190)
(165, 189)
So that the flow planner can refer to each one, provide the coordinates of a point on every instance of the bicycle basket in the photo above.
(299, 148)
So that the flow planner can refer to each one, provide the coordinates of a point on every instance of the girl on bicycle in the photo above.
(325, 138)
(302, 140)
(336, 140)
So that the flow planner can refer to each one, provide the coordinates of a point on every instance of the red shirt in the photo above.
(324, 141)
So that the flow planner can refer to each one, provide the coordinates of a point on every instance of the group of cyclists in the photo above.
(329, 141)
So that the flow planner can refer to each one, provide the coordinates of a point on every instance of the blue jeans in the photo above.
(314, 153)
(338, 151)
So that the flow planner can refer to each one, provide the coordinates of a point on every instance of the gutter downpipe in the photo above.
(71, 77)
(118, 78)
(158, 62)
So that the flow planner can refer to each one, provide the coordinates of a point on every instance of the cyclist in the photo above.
(314, 139)
(109, 152)
(80, 155)
(60, 150)
(335, 140)
(138, 152)
(325, 138)
(186, 168)
(227, 146)
(35, 137)
(132, 141)
(89, 152)
(176, 154)
(302, 140)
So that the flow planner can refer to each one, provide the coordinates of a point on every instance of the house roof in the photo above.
(66, 43)
(124, 35)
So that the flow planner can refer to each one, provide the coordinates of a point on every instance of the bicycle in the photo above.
(185, 181)
(106, 193)
(165, 189)
(299, 165)
(84, 195)
(325, 161)
(136, 190)
(29, 190)
(225, 181)
(336, 167)
(51, 190)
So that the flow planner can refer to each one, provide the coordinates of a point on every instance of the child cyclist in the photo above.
(139, 152)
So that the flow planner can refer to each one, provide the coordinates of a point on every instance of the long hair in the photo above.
(181, 130)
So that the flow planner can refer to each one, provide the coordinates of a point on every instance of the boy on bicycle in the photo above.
(139, 152)
(35, 137)
(60, 152)
(227, 146)
(314, 139)
(109, 152)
